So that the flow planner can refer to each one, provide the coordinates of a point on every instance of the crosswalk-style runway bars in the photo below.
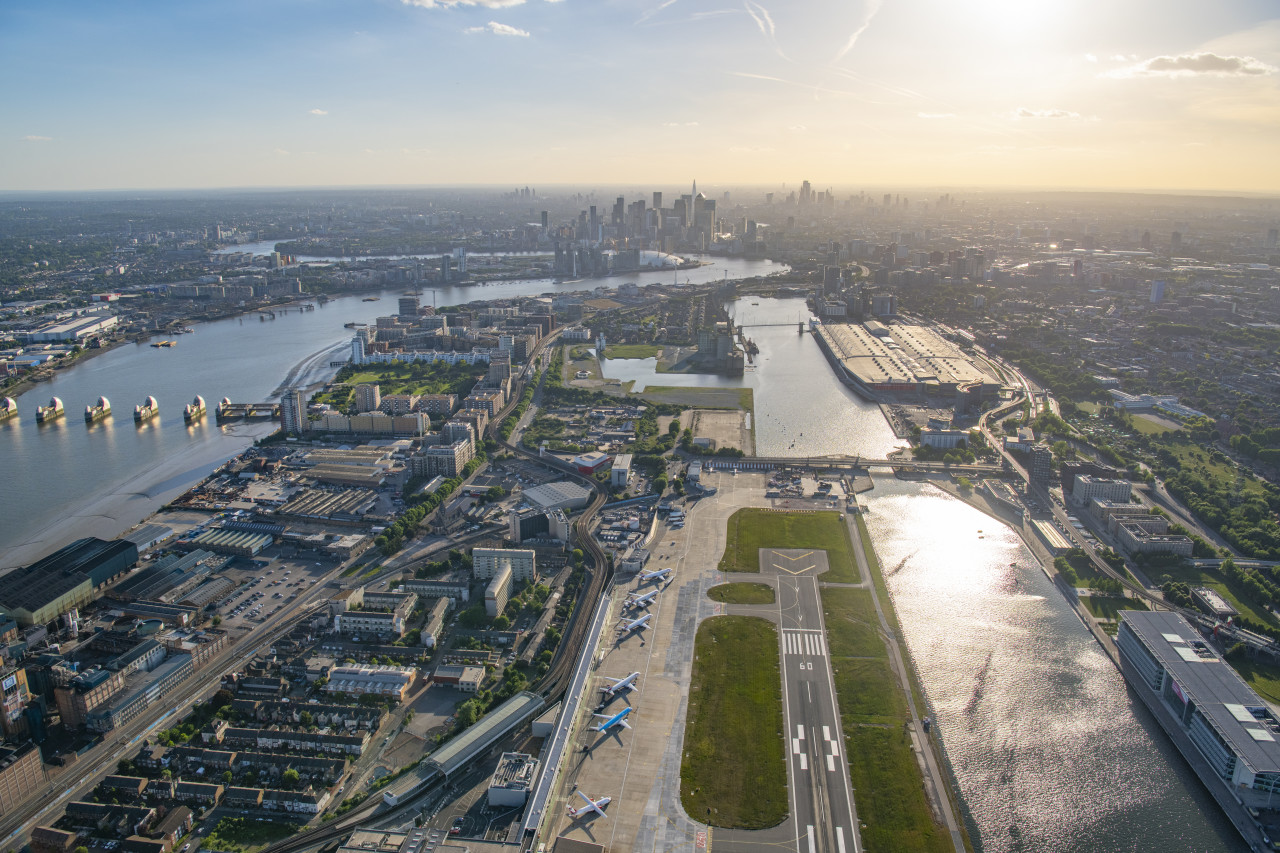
(807, 643)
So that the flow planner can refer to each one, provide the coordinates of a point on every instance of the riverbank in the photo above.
(26, 383)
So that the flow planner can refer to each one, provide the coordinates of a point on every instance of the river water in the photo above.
(64, 480)
(1050, 751)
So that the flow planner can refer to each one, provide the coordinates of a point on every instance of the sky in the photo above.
(1084, 94)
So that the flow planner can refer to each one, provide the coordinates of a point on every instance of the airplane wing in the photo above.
(590, 802)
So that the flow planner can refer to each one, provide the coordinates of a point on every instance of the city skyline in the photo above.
(996, 94)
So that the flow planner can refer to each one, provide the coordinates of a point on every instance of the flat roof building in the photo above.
(522, 562)
(1203, 702)
(512, 779)
(561, 495)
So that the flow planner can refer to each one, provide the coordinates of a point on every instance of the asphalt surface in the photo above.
(822, 807)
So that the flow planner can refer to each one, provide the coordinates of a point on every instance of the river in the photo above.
(65, 480)
(1051, 751)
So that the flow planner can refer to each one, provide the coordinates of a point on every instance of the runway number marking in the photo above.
(806, 643)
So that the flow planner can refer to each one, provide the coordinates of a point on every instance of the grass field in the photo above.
(1149, 426)
(752, 529)
(742, 593)
(702, 398)
(237, 834)
(632, 351)
(887, 780)
(1109, 608)
(1264, 678)
(1215, 580)
(734, 772)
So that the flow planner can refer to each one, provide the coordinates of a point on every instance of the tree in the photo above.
(501, 623)
(226, 777)
(306, 719)
(289, 779)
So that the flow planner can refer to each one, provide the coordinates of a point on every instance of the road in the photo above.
(821, 793)
(102, 759)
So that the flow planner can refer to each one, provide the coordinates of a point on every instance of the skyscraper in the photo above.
(368, 397)
(293, 411)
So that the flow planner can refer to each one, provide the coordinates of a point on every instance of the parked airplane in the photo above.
(655, 575)
(618, 719)
(620, 684)
(596, 806)
(635, 601)
(635, 625)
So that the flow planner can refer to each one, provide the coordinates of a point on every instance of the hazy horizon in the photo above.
(1178, 97)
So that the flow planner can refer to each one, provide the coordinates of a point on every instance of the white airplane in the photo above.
(620, 684)
(596, 806)
(635, 625)
(618, 719)
(636, 601)
(655, 575)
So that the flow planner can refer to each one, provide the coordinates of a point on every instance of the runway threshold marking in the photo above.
(804, 642)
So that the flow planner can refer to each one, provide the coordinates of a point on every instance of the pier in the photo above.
(229, 411)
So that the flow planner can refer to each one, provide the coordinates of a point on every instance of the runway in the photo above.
(822, 797)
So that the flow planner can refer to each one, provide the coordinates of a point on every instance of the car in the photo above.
(186, 847)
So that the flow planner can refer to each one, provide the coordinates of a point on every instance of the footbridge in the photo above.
(826, 463)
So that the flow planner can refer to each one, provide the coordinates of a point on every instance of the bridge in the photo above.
(821, 463)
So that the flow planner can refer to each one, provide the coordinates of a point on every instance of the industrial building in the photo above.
(620, 473)
(41, 592)
(900, 357)
(466, 678)
(561, 495)
(1223, 728)
(235, 542)
(21, 772)
(77, 329)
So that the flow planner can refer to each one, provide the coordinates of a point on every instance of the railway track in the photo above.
(551, 686)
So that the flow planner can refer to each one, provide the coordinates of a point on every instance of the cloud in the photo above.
(318, 112)
(34, 138)
(449, 4)
(281, 152)
(1089, 57)
(798, 128)
(498, 30)
(1203, 64)
(1023, 112)
(935, 115)
(745, 149)
(873, 6)
(679, 124)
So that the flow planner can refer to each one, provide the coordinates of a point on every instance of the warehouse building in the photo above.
(41, 592)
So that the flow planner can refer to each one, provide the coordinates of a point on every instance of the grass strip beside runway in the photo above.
(742, 593)
(752, 529)
(734, 771)
(887, 780)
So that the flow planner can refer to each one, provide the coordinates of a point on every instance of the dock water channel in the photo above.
(1050, 750)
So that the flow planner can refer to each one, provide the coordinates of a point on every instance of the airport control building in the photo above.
(1222, 727)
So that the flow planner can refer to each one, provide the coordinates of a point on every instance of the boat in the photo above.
(371, 299)
(194, 410)
(349, 325)
(98, 411)
(51, 412)
(165, 344)
(8, 408)
(186, 330)
(149, 409)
